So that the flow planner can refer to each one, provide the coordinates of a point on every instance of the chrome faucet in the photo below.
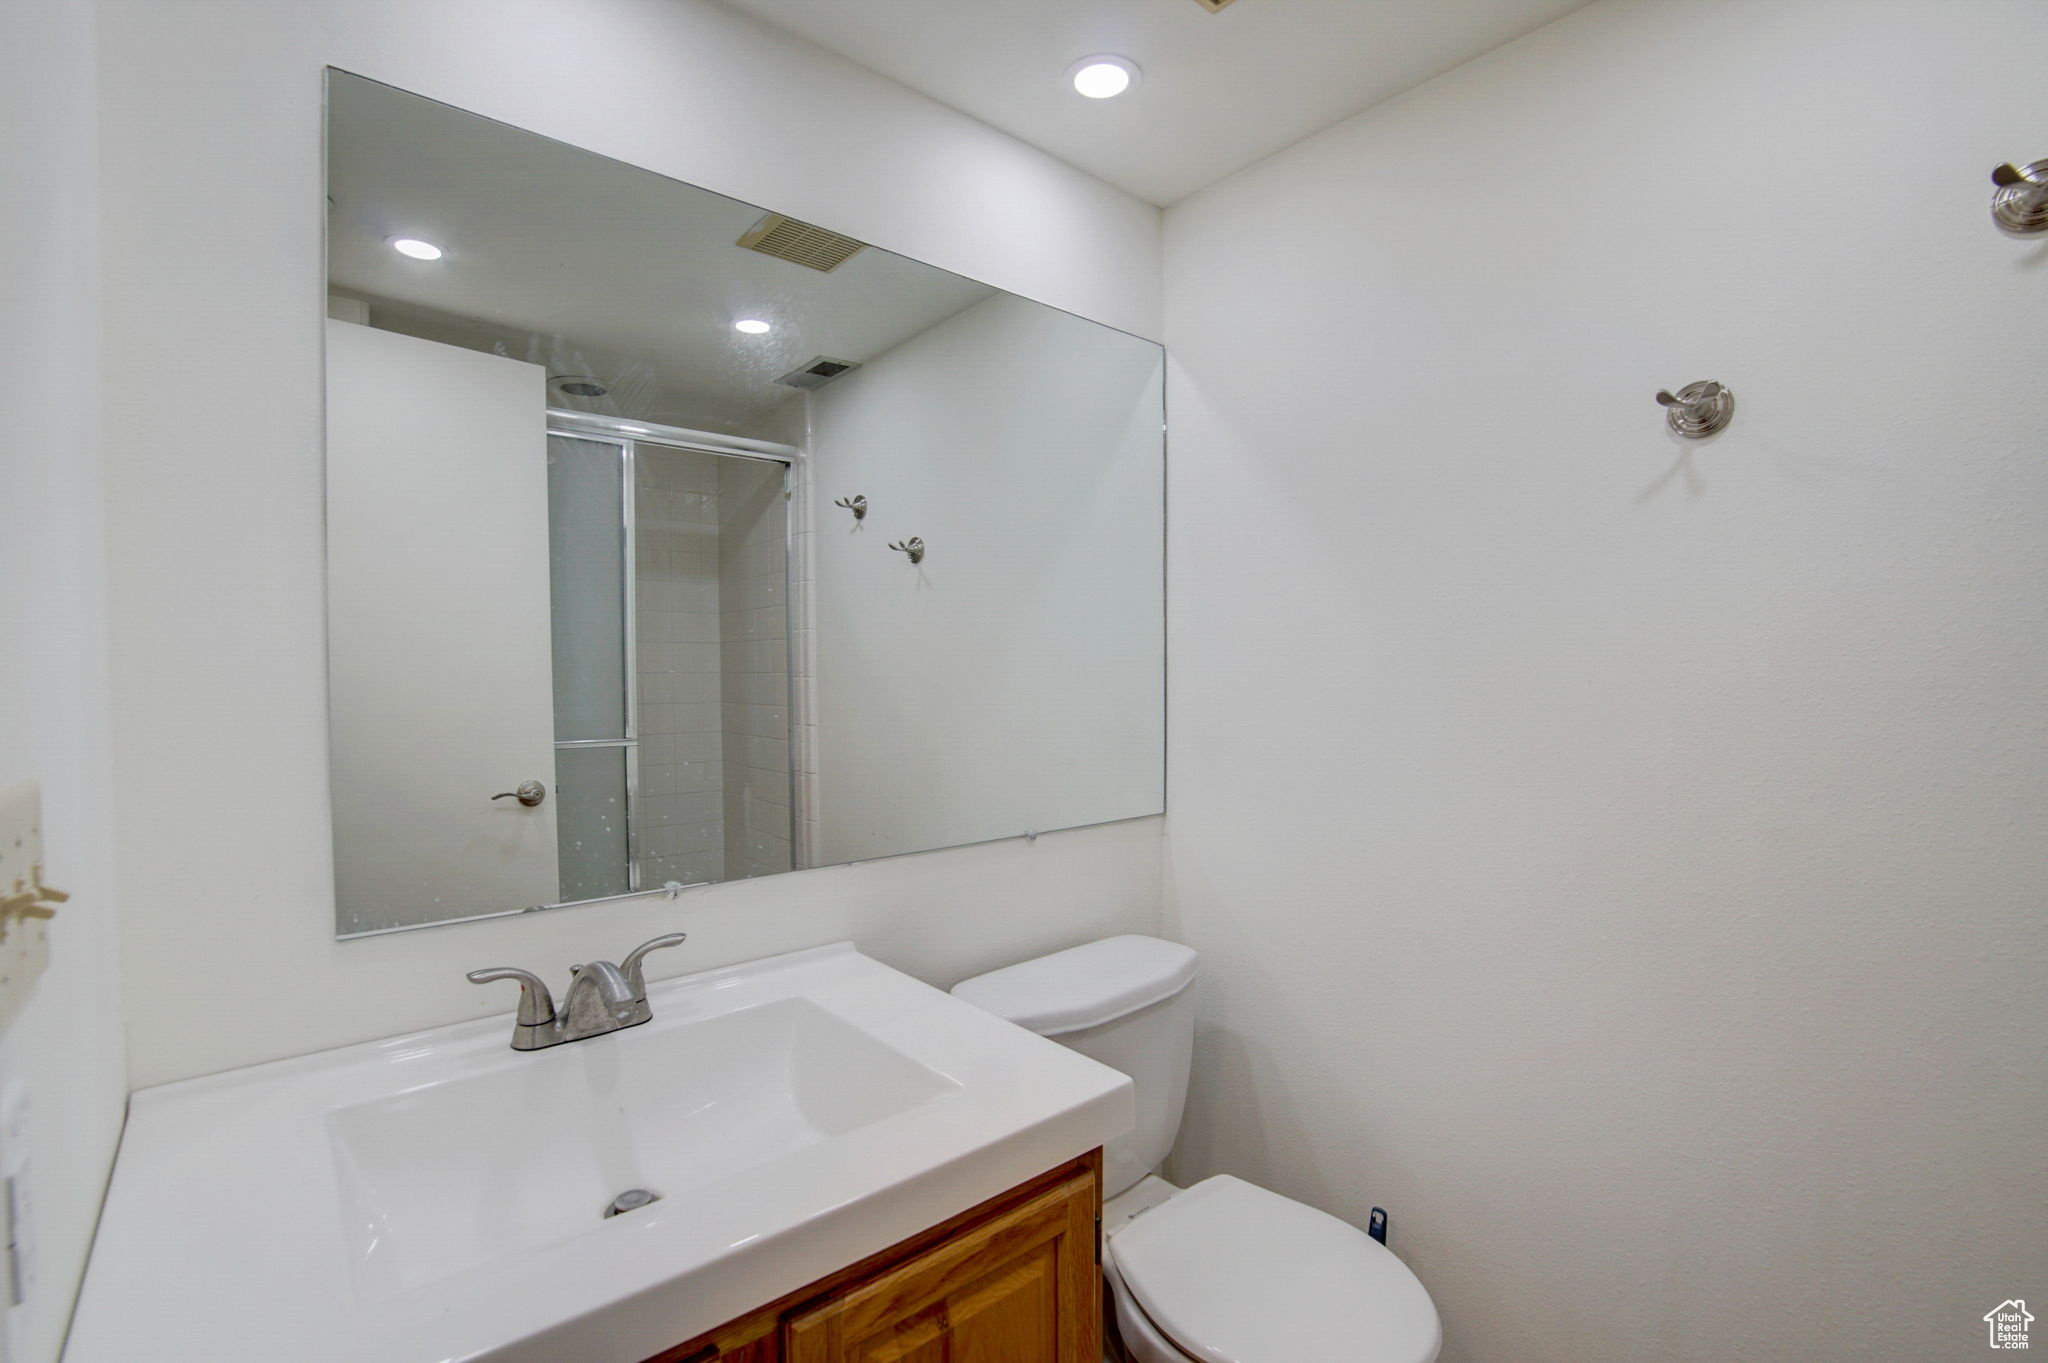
(601, 998)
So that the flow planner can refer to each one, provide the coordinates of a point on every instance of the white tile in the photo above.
(699, 745)
(759, 785)
(761, 817)
(692, 777)
(766, 754)
(694, 717)
(708, 836)
(695, 686)
(699, 867)
(765, 721)
(696, 627)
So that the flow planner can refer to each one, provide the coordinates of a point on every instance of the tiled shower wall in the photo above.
(754, 686)
(682, 806)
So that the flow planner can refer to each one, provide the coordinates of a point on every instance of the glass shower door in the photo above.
(590, 491)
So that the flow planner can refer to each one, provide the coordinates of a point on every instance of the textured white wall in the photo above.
(1011, 680)
(64, 1048)
(1623, 860)
(213, 179)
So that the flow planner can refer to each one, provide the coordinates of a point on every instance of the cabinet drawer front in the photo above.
(1022, 1287)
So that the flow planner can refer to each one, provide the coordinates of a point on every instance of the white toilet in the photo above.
(1223, 1272)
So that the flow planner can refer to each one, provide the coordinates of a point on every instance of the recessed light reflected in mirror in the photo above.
(752, 326)
(417, 249)
(1103, 77)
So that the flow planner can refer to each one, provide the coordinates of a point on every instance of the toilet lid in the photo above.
(1235, 1274)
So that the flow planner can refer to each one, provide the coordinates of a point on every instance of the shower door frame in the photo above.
(629, 647)
(627, 436)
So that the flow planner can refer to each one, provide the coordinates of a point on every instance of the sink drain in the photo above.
(632, 1200)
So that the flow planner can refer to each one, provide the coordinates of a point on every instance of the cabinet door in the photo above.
(1022, 1287)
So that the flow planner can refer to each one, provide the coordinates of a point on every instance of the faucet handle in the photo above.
(536, 1005)
(631, 965)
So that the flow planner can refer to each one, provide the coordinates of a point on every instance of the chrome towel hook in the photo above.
(857, 504)
(1697, 410)
(2020, 203)
(913, 547)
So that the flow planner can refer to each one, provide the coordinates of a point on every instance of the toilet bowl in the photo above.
(1223, 1271)
(1227, 1272)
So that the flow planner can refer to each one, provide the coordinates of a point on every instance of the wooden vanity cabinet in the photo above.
(1015, 1280)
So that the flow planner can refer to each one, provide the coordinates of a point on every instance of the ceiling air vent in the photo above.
(799, 242)
(1213, 6)
(816, 372)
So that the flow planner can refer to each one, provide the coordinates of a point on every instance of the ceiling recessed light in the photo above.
(417, 249)
(752, 326)
(1104, 76)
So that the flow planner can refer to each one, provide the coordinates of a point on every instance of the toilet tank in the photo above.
(1123, 1001)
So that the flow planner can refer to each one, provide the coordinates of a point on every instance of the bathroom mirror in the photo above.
(673, 541)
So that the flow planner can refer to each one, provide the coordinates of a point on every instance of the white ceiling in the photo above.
(589, 266)
(1219, 92)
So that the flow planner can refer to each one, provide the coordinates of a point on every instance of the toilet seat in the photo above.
(1232, 1273)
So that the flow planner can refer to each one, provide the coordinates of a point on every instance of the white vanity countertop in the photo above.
(370, 1204)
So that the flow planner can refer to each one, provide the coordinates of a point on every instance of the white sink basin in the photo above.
(439, 1197)
(495, 1165)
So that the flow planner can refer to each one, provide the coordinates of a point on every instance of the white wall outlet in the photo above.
(24, 938)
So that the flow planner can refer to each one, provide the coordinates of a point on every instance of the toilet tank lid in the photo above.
(1083, 986)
